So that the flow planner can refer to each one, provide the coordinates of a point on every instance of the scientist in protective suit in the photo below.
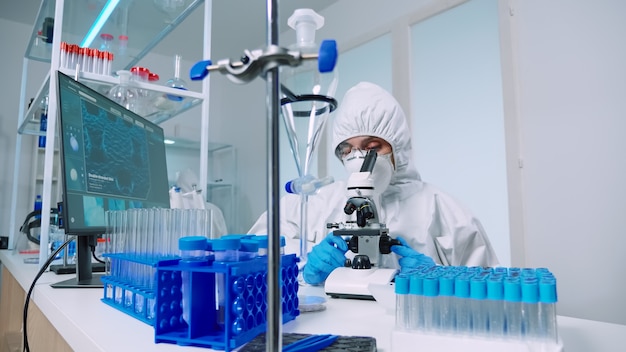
(431, 225)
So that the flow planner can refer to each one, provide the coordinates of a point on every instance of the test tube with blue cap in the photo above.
(403, 314)
(224, 250)
(462, 294)
(431, 303)
(416, 298)
(263, 243)
(513, 307)
(447, 316)
(547, 308)
(307, 184)
(530, 307)
(192, 253)
(478, 307)
(495, 310)
(249, 249)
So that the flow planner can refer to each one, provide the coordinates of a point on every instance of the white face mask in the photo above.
(383, 168)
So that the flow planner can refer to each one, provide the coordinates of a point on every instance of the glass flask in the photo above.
(171, 102)
(176, 82)
(124, 93)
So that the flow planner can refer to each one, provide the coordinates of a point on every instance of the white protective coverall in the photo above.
(430, 220)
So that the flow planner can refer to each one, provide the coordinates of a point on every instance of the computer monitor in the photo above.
(111, 159)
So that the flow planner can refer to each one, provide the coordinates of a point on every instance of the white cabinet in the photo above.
(220, 189)
(145, 25)
(222, 174)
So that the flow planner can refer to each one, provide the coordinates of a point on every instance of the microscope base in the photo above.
(353, 283)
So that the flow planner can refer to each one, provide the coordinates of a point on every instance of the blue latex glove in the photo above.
(324, 258)
(410, 258)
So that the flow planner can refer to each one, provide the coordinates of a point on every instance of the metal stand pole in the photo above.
(274, 315)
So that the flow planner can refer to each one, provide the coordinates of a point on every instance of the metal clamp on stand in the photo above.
(257, 62)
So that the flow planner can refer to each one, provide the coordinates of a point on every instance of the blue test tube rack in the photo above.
(245, 296)
(129, 295)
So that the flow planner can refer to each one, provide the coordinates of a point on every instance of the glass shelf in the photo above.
(143, 22)
(178, 143)
(213, 185)
(101, 83)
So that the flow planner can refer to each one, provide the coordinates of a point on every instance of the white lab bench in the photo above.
(87, 324)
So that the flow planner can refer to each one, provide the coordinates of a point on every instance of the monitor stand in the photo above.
(63, 269)
(84, 274)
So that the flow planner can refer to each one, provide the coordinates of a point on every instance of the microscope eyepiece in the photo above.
(369, 161)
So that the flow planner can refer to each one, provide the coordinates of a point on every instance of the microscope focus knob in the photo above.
(361, 261)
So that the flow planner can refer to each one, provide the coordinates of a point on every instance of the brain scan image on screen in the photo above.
(116, 153)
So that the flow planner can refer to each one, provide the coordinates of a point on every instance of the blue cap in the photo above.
(446, 284)
(501, 270)
(288, 187)
(547, 290)
(224, 244)
(530, 290)
(192, 243)
(478, 288)
(462, 286)
(512, 289)
(474, 269)
(514, 271)
(283, 241)
(459, 269)
(248, 245)
(543, 272)
(495, 288)
(262, 240)
(416, 284)
(483, 274)
(528, 272)
(235, 235)
(402, 285)
(431, 286)
(209, 245)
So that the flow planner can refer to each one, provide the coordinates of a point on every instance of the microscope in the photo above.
(366, 237)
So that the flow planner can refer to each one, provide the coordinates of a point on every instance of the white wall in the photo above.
(458, 120)
(566, 83)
